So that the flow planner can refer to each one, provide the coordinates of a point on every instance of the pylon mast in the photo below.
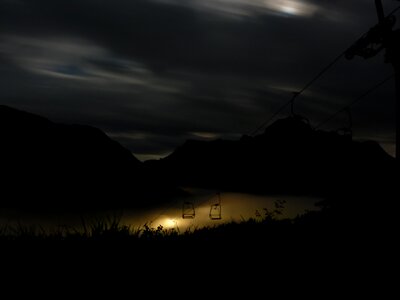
(382, 37)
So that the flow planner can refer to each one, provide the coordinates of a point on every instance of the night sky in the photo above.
(154, 73)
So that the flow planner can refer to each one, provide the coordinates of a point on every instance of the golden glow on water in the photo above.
(169, 223)
(235, 207)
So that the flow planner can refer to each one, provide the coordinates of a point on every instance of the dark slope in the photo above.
(289, 157)
(49, 165)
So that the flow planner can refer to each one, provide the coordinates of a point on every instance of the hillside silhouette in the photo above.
(49, 165)
(45, 165)
(290, 157)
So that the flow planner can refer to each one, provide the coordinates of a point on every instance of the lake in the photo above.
(233, 207)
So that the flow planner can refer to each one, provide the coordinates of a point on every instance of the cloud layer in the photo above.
(154, 73)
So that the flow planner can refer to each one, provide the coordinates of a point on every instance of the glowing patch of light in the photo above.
(289, 10)
(246, 8)
(170, 223)
(205, 135)
(291, 7)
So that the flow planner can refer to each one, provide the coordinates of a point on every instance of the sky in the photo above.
(154, 73)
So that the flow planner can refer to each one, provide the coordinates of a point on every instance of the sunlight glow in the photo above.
(205, 135)
(291, 7)
(248, 8)
(170, 223)
(289, 10)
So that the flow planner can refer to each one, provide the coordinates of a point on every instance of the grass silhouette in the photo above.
(330, 224)
(110, 228)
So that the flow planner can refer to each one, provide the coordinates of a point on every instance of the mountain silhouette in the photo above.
(45, 165)
(55, 166)
(290, 157)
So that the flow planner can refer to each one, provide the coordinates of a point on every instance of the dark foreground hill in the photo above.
(49, 165)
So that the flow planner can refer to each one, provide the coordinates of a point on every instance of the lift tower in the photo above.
(378, 38)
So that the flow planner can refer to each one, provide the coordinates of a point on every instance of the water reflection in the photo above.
(234, 207)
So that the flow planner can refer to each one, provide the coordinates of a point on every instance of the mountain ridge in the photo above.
(288, 157)
(45, 164)
(50, 165)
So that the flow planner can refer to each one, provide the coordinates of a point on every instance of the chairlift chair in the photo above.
(188, 211)
(216, 209)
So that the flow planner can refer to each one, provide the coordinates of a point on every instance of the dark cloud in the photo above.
(151, 73)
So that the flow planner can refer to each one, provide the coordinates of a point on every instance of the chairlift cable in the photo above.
(295, 95)
(358, 99)
(311, 82)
